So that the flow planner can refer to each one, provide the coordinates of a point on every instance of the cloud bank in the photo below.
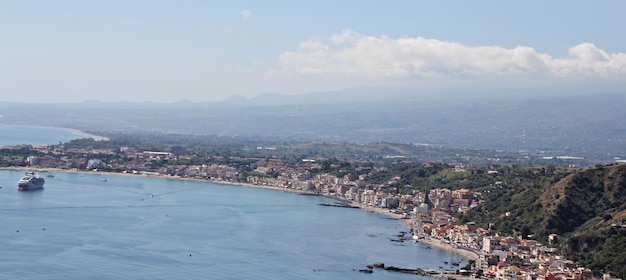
(354, 56)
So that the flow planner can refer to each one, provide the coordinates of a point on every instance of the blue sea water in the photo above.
(36, 135)
(131, 227)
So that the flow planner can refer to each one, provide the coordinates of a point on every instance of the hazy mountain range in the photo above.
(576, 121)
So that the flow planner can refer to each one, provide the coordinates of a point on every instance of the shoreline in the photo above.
(77, 132)
(87, 135)
(159, 176)
(430, 241)
(433, 242)
(468, 255)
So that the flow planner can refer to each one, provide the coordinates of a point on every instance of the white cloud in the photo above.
(350, 55)
(245, 14)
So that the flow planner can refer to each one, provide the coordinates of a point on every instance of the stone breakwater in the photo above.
(415, 271)
(338, 205)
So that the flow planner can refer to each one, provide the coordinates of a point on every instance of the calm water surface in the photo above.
(80, 227)
(36, 135)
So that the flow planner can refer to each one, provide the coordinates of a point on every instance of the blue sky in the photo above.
(165, 51)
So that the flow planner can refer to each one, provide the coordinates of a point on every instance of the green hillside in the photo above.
(586, 208)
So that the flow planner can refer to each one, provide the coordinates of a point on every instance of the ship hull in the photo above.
(29, 187)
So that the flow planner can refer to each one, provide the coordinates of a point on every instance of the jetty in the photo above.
(339, 205)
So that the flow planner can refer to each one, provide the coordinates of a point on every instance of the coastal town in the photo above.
(430, 215)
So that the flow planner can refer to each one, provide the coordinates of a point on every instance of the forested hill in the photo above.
(586, 208)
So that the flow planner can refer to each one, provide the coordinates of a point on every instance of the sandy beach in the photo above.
(445, 246)
(386, 212)
(88, 135)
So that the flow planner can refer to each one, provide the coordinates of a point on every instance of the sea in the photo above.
(105, 226)
(36, 135)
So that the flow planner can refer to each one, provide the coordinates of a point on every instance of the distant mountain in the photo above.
(316, 98)
(586, 122)
(430, 94)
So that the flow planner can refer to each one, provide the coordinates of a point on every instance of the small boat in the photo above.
(104, 180)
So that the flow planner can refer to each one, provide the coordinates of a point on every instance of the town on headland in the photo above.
(447, 205)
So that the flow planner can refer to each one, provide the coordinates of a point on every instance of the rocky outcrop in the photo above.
(415, 271)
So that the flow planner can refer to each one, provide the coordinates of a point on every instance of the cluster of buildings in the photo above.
(497, 256)
(432, 212)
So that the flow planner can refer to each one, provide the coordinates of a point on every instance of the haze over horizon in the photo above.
(161, 51)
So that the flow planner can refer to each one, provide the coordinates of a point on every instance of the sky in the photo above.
(194, 50)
